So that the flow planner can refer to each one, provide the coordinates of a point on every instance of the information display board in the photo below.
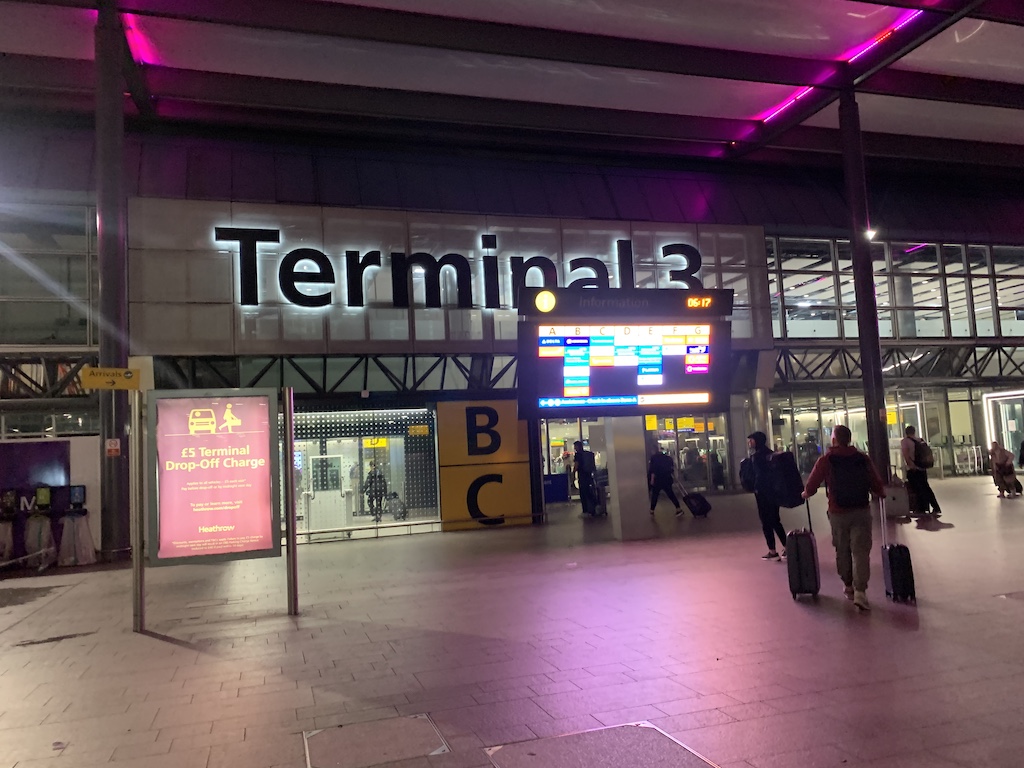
(583, 354)
(214, 476)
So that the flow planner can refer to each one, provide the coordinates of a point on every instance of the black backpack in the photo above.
(923, 456)
(850, 483)
(747, 476)
(787, 483)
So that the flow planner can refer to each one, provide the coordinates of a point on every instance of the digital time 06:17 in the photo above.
(698, 302)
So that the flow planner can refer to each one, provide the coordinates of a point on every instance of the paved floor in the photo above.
(516, 635)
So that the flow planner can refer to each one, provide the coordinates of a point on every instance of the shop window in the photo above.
(350, 465)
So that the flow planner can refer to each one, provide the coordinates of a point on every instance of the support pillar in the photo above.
(113, 275)
(627, 479)
(864, 282)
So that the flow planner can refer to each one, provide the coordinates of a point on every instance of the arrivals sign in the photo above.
(214, 477)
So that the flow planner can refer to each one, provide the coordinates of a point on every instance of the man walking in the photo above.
(660, 476)
(917, 476)
(850, 478)
(584, 466)
(764, 494)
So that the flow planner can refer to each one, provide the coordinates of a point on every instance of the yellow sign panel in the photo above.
(698, 426)
(651, 423)
(110, 378)
(670, 423)
(890, 417)
(686, 422)
(481, 432)
(375, 442)
(495, 495)
(419, 430)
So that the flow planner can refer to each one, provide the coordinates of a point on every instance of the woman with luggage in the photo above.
(1001, 461)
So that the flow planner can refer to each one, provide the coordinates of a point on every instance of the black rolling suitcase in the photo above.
(897, 570)
(697, 503)
(802, 560)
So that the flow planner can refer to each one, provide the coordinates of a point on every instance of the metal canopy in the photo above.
(679, 78)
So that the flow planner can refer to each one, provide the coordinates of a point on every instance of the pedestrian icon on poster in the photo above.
(230, 420)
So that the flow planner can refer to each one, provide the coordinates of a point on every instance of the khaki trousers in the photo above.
(851, 536)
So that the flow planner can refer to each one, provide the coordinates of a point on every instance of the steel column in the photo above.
(864, 283)
(111, 246)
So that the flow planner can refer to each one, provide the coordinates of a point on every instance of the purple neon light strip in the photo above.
(848, 58)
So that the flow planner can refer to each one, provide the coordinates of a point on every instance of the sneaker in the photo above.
(679, 512)
(860, 599)
(848, 592)
(771, 555)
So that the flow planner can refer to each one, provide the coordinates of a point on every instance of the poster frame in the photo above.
(153, 528)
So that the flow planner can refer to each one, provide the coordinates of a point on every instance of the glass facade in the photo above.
(48, 278)
(365, 473)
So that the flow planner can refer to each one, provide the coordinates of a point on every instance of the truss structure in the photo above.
(921, 364)
(32, 377)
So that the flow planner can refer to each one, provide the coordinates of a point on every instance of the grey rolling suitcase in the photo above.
(802, 560)
(897, 570)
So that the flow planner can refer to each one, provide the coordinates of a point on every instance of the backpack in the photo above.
(923, 456)
(850, 482)
(786, 481)
(747, 476)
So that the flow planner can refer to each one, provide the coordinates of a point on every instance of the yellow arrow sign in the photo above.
(110, 378)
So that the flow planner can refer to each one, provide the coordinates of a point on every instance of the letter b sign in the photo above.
(482, 438)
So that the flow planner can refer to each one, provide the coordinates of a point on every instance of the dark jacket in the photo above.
(763, 485)
(660, 469)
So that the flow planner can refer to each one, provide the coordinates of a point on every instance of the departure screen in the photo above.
(612, 368)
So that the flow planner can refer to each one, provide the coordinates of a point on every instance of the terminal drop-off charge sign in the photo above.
(214, 475)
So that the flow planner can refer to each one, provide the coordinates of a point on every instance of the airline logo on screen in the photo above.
(590, 353)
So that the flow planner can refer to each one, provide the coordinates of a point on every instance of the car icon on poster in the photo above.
(202, 420)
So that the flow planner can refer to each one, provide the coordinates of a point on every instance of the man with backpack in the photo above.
(765, 494)
(851, 478)
(917, 456)
(584, 467)
(661, 472)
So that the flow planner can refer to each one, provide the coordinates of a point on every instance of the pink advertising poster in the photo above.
(215, 487)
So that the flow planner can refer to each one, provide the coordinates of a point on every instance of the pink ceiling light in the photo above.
(849, 57)
(143, 51)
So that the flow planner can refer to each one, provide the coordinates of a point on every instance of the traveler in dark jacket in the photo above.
(764, 495)
(660, 477)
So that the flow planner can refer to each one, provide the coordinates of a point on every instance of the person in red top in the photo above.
(850, 478)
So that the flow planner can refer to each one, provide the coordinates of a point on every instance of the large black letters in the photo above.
(287, 277)
(473, 500)
(687, 276)
(400, 265)
(247, 273)
(474, 430)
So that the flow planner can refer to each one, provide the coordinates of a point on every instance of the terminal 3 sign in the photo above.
(307, 277)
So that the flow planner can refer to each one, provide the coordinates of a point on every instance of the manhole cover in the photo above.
(633, 744)
(23, 595)
(374, 743)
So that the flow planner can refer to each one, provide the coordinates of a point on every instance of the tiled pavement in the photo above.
(505, 636)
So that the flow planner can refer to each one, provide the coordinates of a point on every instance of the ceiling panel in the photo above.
(971, 48)
(817, 28)
(40, 30)
(236, 50)
(915, 117)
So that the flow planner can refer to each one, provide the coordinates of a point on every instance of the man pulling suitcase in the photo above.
(851, 479)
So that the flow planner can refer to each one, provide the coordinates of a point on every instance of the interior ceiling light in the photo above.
(849, 57)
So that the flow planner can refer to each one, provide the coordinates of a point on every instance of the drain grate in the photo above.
(632, 744)
(376, 742)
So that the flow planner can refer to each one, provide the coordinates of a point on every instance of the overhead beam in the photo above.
(134, 79)
(999, 11)
(337, 19)
(947, 88)
(329, 99)
(897, 45)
